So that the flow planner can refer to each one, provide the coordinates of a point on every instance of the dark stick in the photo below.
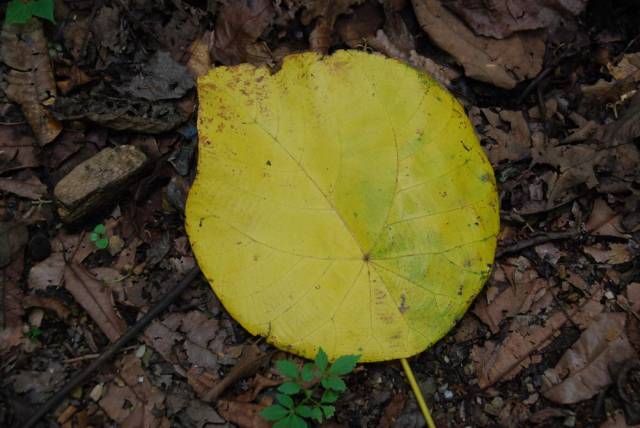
(112, 349)
(536, 240)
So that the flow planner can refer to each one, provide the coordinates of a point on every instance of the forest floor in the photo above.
(552, 340)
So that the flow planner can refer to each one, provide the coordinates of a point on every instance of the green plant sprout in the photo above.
(310, 392)
(21, 11)
(99, 237)
(34, 333)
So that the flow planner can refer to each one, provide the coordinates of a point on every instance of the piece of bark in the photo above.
(96, 182)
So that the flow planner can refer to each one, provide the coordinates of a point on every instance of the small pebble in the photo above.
(448, 394)
(96, 392)
(140, 351)
(609, 295)
(570, 421)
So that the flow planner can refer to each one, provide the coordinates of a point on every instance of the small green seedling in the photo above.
(34, 333)
(99, 237)
(310, 392)
(21, 11)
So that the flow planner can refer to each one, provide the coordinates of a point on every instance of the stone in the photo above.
(97, 182)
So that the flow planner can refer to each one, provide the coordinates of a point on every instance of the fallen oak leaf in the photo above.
(95, 299)
(585, 369)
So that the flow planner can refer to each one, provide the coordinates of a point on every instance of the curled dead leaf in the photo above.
(324, 13)
(502, 63)
(23, 48)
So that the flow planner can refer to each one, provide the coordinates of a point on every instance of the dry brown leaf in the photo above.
(325, 13)
(524, 290)
(245, 415)
(134, 402)
(201, 380)
(95, 298)
(549, 252)
(30, 188)
(251, 360)
(614, 254)
(17, 148)
(188, 339)
(633, 295)
(200, 54)
(617, 420)
(603, 221)
(13, 238)
(256, 385)
(502, 18)
(365, 20)
(394, 40)
(512, 137)
(576, 164)
(238, 26)
(23, 48)
(502, 361)
(10, 306)
(503, 63)
(53, 304)
(627, 127)
(496, 361)
(585, 369)
(50, 271)
(392, 410)
(626, 75)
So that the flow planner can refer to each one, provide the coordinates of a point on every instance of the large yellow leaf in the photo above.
(341, 202)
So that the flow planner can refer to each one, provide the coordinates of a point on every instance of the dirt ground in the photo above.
(552, 91)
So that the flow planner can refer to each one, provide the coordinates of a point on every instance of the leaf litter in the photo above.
(565, 155)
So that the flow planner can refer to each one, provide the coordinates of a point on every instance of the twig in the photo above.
(112, 349)
(536, 240)
(534, 83)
